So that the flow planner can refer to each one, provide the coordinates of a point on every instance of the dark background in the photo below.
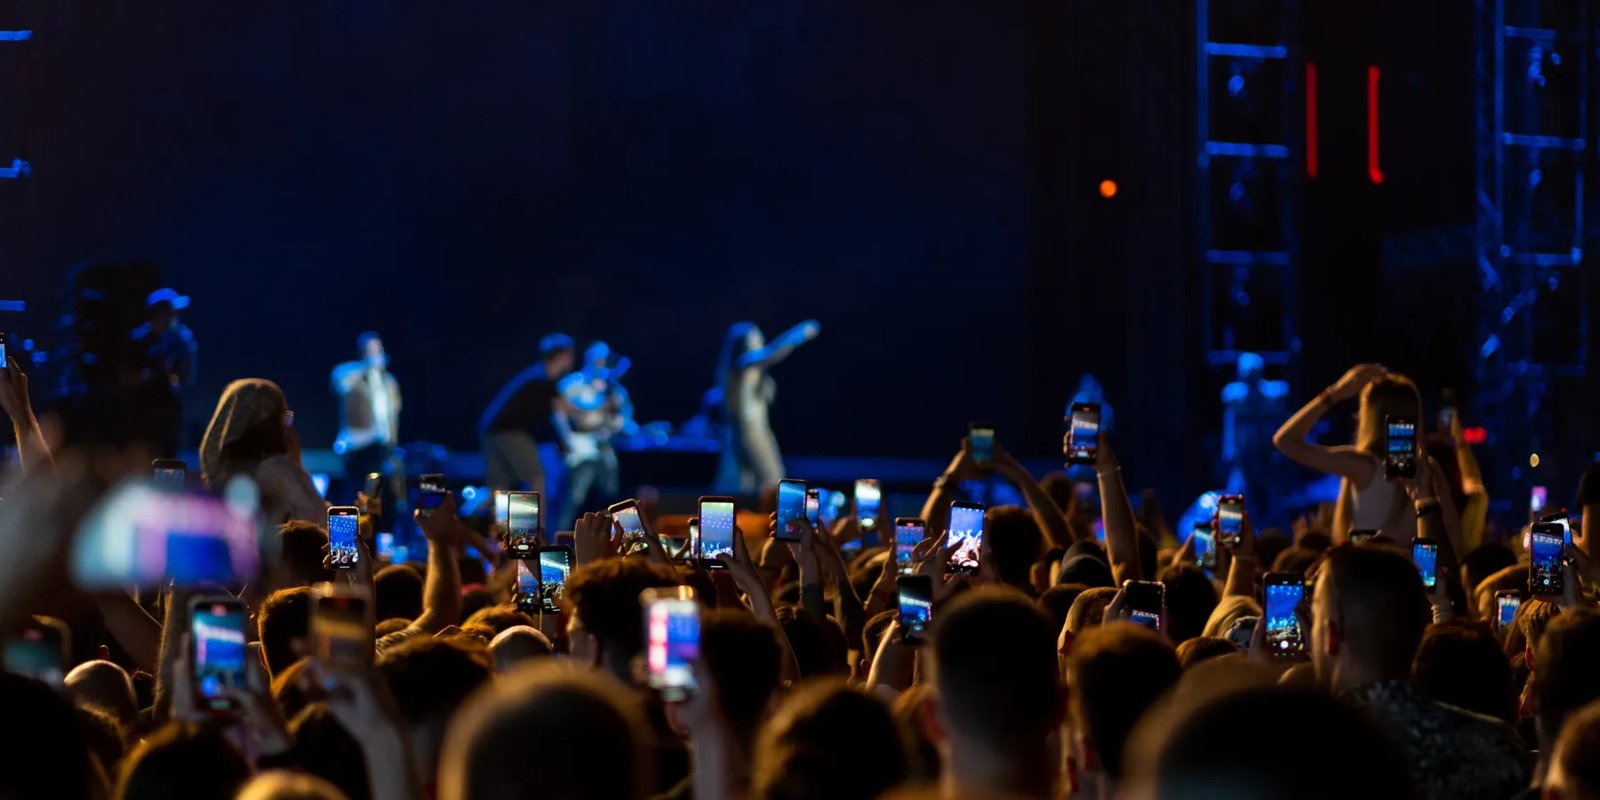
(919, 177)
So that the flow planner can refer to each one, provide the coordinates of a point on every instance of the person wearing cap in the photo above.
(592, 408)
(164, 357)
(522, 415)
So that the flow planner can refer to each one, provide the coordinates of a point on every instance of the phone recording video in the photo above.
(340, 628)
(966, 537)
(908, 533)
(1284, 591)
(980, 437)
(716, 530)
(170, 473)
(523, 522)
(1229, 522)
(40, 650)
(555, 564)
(344, 525)
(502, 507)
(1545, 576)
(1425, 554)
(431, 490)
(626, 515)
(140, 536)
(672, 641)
(1205, 546)
(1400, 448)
(216, 650)
(1083, 434)
(814, 507)
(1144, 599)
(868, 501)
(791, 509)
(915, 593)
(1506, 602)
(527, 594)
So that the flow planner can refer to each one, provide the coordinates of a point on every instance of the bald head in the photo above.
(517, 644)
(104, 685)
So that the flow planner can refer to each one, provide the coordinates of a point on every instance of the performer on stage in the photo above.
(592, 407)
(163, 357)
(369, 413)
(522, 414)
(750, 458)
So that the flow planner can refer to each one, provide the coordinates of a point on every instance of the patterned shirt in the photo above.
(1453, 753)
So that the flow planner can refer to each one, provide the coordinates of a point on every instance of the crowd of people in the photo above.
(1042, 673)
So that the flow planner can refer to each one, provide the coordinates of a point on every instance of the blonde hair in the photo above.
(1392, 394)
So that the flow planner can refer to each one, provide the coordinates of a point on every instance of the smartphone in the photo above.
(869, 499)
(139, 535)
(1538, 498)
(672, 641)
(908, 533)
(1447, 409)
(523, 523)
(431, 489)
(1506, 603)
(1083, 433)
(502, 507)
(1425, 554)
(966, 537)
(1284, 592)
(1229, 522)
(4, 363)
(716, 531)
(170, 472)
(1400, 448)
(344, 524)
(341, 627)
(980, 437)
(626, 515)
(916, 607)
(40, 650)
(527, 594)
(1545, 575)
(814, 507)
(1205, 545)
(216, 650)
(555, 564)
(791, 507)
(1144, 599)
(1362, 535)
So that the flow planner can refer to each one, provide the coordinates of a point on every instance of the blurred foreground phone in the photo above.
(1425, 554)
(1205, 546)
(1506, 603)
(341, 626)
(555, 564)
(527, 594)
(502, 507)
(908, 533)
(170, 472)
(626, 515)
(869, 499)
(1144, 599)
(980, 438)
(216, 650)
(140, 535)
(1400, 446)
(4, 363)
(814, 507)
(1083, 434)
(431, 489)
(966, 537)
(1538, 498)
(524, 511)
(1546, 577)
(915, 594)
(41, 650)
(791, 509)
(344, 526)
(716, 531)
(672, 641)
(1229, 522)
(1284, 592)
(1362, 535)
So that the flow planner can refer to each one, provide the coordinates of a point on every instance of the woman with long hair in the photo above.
(750, 457)
(252, 434)
(1367, 499)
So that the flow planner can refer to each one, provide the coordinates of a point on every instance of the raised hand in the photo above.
(440, 527)
(1355, 379)
(14, 394)
(594, 538)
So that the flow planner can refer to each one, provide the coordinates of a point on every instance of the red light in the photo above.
(1474, 435)
(1374, 173)
(1311, 119)
(1108, 189)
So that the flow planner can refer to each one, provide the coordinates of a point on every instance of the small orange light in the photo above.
(1108, 189)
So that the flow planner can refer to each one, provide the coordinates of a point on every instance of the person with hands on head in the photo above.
(32, 450)
(1366, 498)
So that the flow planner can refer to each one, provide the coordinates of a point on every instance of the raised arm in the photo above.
(1291, 439)
(780, 347)
(1122, 537)
(1052, 523)
(441, 594)
(31, 447)
(936, 511)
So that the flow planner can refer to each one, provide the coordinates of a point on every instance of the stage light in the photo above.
(1474, 435)
(1533, 460)
(1108, 189)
